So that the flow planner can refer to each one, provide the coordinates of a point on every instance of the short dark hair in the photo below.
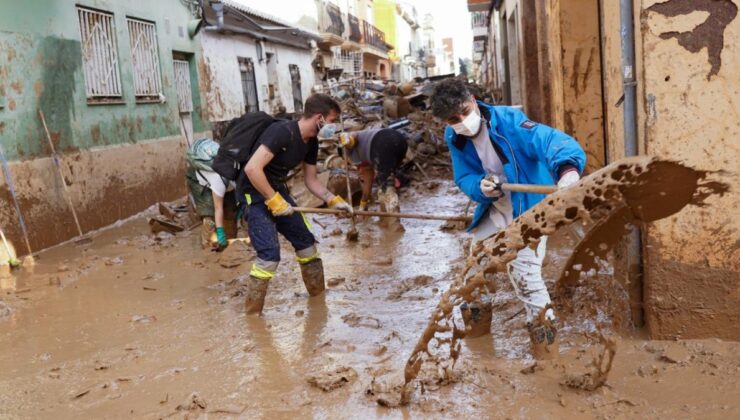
(219, 129)
(318, 103)
(449, 97)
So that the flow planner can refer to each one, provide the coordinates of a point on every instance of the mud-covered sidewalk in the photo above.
(142, 325)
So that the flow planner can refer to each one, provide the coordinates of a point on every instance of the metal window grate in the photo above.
(182, 84)
(144, 58)
(99, 54)
(349, 61)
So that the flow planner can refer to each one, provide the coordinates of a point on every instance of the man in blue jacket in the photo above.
(492, 145)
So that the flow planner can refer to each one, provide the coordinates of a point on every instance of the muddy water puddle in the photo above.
(134, 325)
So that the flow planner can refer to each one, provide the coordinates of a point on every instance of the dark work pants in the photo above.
(386, 153)
(264, 227)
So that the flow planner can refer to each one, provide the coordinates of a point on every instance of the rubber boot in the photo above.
(545, 339)
(313, 277)
(389, 202)
(477, 317)
(256, 291)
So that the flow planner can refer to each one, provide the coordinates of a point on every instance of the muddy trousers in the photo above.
(386, 153)
(263, 230)
(525, 273)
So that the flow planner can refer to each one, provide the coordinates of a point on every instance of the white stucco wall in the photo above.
(221, 80)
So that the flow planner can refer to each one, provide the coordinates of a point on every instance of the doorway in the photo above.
(582, 83)
(512, 40)
(273, 94)
(295, 83)
(249, 85)
(183, 86)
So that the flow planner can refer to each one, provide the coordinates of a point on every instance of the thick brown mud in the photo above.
(608, 202)
(150, 326)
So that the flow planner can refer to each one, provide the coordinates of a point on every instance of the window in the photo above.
(249, 85)
(99, 55)
(145, 59)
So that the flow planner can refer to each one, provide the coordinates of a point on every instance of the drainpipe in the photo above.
(634, 253)
(627, 29)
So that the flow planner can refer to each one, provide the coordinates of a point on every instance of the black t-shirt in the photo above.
(284, 141)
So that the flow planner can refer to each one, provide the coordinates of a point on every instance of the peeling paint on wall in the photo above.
(709, 35)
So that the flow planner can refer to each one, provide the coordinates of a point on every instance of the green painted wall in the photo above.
(41, 68)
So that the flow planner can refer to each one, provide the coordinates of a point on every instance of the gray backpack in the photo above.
(200, 154)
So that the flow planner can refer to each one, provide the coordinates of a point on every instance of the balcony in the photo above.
(374, 41)
(479, 23)
(331, 24)
(479, 5)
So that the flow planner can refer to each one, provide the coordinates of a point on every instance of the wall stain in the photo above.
(62, 58)
(38, 87)
(576, 65)
(95, 134)
(709, 34)
(17, 86)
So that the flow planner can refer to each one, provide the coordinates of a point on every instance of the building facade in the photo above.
(640, 77)
(252, 61)
(118, 87)
(399, 21)
(350, 41)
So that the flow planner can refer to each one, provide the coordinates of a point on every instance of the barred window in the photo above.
(145, 59)
(99, 54)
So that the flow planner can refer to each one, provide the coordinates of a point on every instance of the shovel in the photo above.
(352, 233)
(525, 188)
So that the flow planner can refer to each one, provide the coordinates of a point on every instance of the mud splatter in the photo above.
(600, 368)
(633, 190)
(709, 34)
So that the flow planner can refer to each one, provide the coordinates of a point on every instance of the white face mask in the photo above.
(470, 126)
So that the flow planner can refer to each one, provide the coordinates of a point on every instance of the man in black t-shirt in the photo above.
(282, 146)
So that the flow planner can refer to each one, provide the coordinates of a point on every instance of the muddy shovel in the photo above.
(352, 233)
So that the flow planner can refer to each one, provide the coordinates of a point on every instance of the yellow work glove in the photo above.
(278, 206)
(338, 203)
(347, 140)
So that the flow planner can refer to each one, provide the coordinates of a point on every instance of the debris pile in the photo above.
(369, 104)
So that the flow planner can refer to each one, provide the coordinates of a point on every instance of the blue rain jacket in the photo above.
(531, 153)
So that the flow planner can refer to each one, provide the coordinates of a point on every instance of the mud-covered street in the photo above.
(141, 325)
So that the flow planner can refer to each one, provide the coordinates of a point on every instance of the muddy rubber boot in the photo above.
(545, 340)
(313, 277)
(477, 317)
(389, 202)
(255, 296)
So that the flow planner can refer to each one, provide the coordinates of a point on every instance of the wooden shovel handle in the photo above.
(530, 188)
(386, 214)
